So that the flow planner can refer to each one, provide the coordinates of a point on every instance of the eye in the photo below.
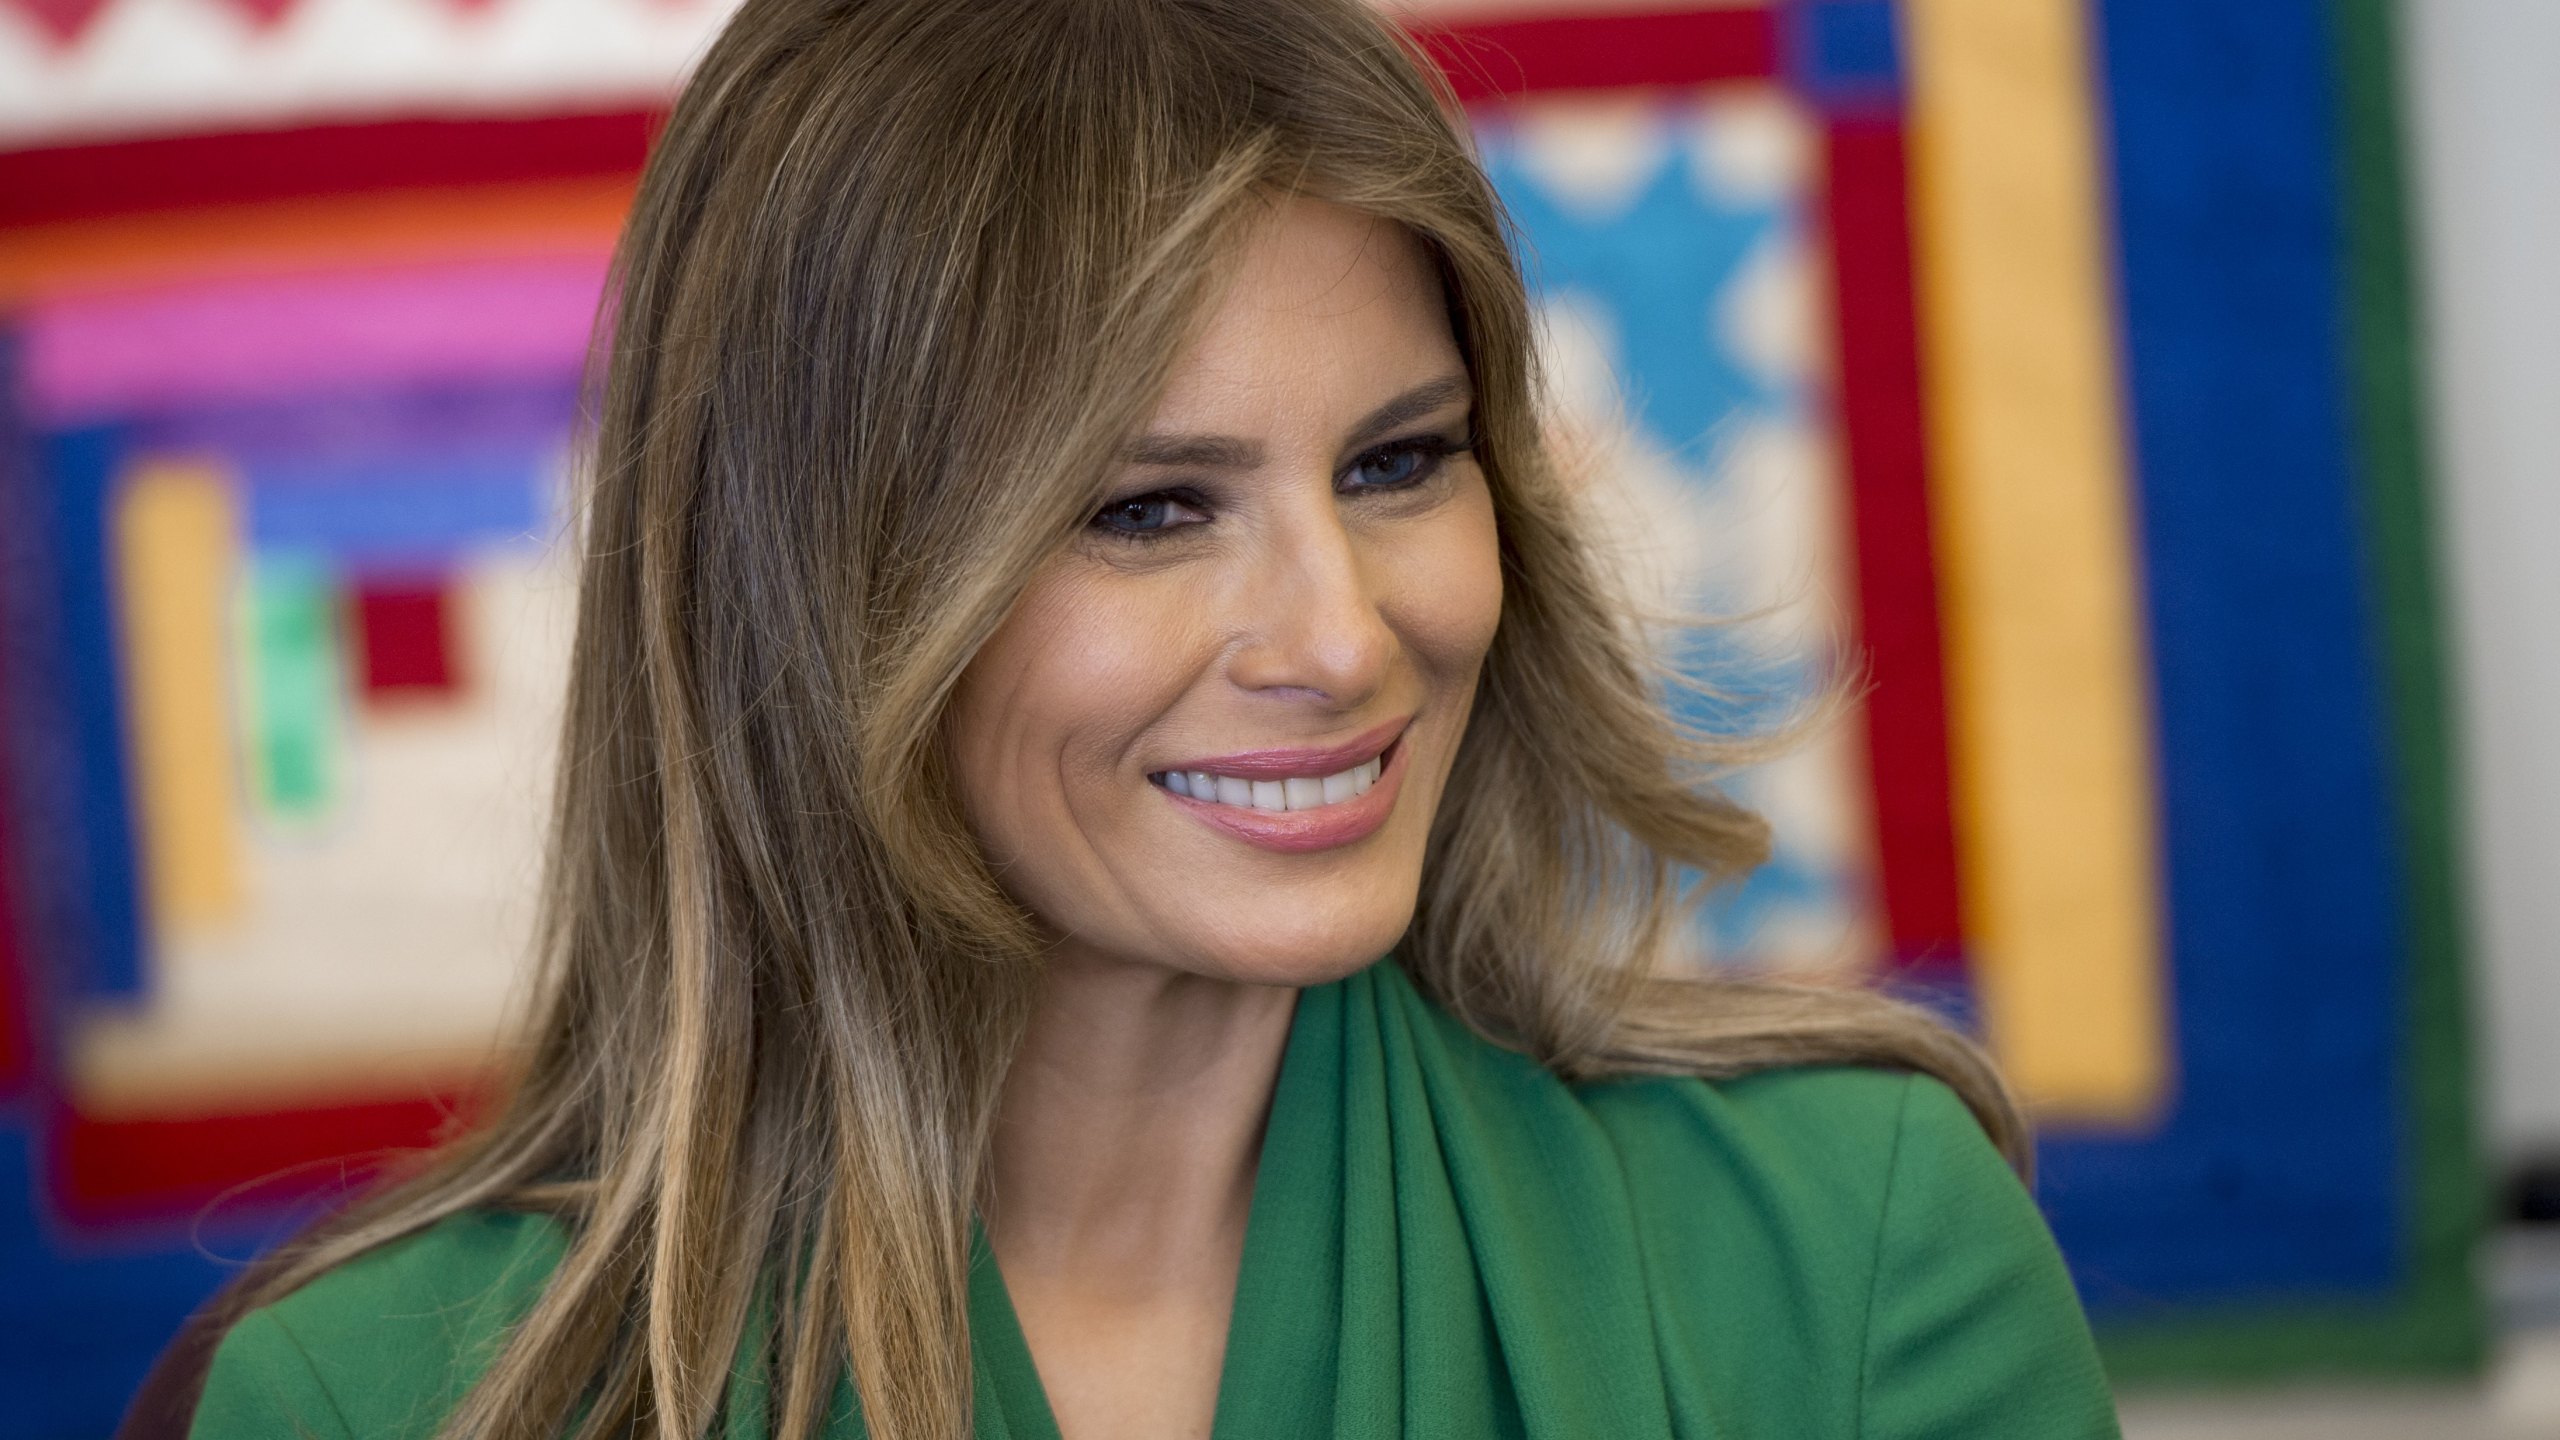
(1402, 464)
(1142, 517)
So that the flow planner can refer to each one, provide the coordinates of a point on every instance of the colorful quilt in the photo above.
(2042, 368)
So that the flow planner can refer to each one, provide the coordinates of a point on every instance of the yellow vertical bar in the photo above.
(2047, 665)
(177, 548)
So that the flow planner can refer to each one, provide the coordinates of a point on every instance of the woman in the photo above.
(1110, 831)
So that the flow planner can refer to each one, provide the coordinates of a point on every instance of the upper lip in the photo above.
(1306, 761)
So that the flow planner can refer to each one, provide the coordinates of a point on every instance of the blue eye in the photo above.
(1395, 467)
(1406, 462)
(1146, 516)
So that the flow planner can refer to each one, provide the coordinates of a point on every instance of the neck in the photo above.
(1131, 1126)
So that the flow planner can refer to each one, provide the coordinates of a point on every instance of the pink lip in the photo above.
(1281, 764)
(1326, 826)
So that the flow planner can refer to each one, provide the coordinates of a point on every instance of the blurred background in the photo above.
(2156, 401)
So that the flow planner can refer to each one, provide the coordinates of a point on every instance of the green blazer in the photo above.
(1446, 1241)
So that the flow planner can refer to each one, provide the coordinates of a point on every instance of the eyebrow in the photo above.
(1227, 452)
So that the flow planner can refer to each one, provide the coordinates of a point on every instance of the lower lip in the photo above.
(1297, 831)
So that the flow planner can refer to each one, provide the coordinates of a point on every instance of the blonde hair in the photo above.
(902, 277)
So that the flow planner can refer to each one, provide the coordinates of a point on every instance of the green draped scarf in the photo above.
(1446, 1241)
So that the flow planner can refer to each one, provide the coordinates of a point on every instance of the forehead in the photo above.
(1326, 308)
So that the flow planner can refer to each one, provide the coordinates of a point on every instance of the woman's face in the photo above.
(1282, 612)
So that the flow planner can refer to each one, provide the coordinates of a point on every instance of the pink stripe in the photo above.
(277, 336)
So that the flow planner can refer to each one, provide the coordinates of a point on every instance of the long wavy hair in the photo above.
(901, 279)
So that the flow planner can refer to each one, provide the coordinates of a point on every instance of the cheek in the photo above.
(1052, 704)
(1448, 597)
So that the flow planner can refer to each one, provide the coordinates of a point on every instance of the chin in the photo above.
(1298, 961)
(1297, 972)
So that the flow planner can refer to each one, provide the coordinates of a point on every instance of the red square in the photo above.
(404, 639)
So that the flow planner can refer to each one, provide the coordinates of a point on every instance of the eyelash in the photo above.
(1434, 451)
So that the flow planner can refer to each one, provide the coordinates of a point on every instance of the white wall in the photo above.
(2486, 155)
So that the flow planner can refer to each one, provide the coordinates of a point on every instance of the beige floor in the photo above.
(2519, 1399)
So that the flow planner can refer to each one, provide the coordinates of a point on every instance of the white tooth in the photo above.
(1361, 779)
(1204, 785)
(1338, 788)
(1303, 794)
(1377, 768)
(1177, 782)
(1267, 795)
(1232, 791)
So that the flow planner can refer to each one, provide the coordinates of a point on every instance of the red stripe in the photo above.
(78, 182)
(63, 21)
(109, 1172)
(1492, 59)
(74, 182)
(17, 1014)
(17, 988)
(1881, 423)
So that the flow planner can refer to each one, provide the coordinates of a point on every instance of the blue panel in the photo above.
(81, 1321)
(1843, 55)
(398, 512)
(77, 839)
(1941, 990)
(2279, 1170)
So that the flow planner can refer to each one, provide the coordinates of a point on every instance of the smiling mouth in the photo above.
(1278, 794)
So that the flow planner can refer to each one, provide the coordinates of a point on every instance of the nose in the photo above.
(1313, 615)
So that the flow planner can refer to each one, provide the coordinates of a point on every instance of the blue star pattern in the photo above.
(1660, 265)
(1643, 235)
